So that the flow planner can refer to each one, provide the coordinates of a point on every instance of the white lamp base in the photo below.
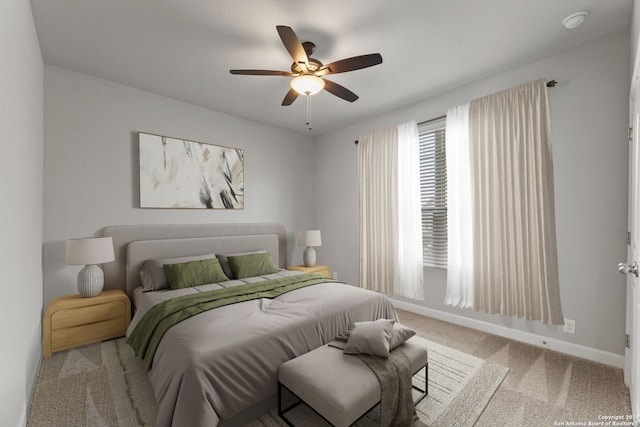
(90, 281)
(309, 256)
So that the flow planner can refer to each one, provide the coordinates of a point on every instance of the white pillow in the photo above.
(371, 338)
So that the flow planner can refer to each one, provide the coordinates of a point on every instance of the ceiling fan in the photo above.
(309, 72)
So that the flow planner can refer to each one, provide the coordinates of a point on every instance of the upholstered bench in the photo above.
(339, 387)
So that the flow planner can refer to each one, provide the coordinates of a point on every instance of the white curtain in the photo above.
(514, 264)
(377, 169)
(410, 271)
(459, 209)
(390, 214)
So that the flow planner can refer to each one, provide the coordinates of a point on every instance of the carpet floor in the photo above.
(506, 383)
(542, 387)
(104, 384)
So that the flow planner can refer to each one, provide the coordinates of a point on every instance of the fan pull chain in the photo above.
(308, 111)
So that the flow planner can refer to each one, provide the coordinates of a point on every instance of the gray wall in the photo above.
(91, 169)
(589, 115)
(635, 33)
(21, 141)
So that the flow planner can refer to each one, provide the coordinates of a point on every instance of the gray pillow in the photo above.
(401, 334)
(370, 338)
(224, 261)
(152, 273)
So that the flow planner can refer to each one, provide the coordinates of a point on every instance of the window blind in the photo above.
(433, 191)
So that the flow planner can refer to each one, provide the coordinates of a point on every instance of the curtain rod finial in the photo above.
(356, 142)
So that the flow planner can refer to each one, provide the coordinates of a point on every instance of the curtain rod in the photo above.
(551, 83)
(435, 119)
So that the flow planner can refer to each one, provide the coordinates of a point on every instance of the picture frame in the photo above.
(182, 174)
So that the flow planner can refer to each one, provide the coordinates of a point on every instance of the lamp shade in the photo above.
(309, 238)
(89, 250)
(307, 84)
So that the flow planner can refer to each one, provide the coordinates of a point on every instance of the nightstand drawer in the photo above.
(79, 335)
(326, 272)
(71, 321)
(316, 269)
(89, 314)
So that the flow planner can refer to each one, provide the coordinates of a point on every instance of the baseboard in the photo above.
(571, 349)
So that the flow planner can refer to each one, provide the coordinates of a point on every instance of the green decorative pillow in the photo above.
(152, 273)
(194, 273)
(251, 265)
(224, 260)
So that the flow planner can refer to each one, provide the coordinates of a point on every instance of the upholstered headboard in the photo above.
(133, 244)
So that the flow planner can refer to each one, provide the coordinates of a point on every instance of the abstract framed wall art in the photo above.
(176, 173)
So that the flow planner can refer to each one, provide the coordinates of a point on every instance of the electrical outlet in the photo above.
(335, 275)
(569, 326)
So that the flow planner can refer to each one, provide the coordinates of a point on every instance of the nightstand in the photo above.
(316, 269)
(71, 320)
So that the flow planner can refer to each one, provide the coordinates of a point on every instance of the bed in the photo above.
(220, 367)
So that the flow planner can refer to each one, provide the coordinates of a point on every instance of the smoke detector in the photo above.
(574, 20)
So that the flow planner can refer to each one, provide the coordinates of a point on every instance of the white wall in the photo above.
(21, 142)
(589, 115)
(635, 33)
(91, 165)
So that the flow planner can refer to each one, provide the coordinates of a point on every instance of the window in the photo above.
(433, 191)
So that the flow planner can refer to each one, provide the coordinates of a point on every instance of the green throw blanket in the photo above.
(147, 334)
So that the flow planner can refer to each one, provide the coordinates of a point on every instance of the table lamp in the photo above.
(89, 251)
(309, 238)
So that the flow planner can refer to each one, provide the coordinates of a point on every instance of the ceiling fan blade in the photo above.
(339, 91)
(350, 64)
(293, 45)
(291, 96)
(262, 73)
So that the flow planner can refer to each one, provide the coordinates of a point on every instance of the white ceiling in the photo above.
(184, 49)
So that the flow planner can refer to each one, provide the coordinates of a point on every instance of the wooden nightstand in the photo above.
(316, 269)
(72, 321)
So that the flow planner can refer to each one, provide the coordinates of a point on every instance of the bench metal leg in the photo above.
(282, 411)
(423, 391)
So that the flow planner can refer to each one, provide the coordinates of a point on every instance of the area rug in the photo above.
(106, 385)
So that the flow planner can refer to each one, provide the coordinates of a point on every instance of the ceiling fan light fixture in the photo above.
(307, 84)
(307, 71)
